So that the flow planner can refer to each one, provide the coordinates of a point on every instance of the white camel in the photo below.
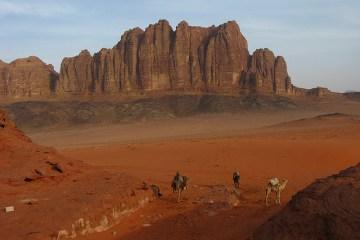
(274, 185)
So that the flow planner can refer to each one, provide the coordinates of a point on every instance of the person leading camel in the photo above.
(236, 179)
(179, 184)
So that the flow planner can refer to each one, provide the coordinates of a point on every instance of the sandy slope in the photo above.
(51, 193)
(300, 151)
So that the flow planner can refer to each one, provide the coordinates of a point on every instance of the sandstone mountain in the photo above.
(214, 59)
(158, 59)
(27, 77)
(327, 209)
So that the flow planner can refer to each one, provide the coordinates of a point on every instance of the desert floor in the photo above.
(209, 149)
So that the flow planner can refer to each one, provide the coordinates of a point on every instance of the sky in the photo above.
(320, 39)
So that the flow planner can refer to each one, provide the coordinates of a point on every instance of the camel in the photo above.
(155, 189)
(236, 179)
(179, 184)
(274, 185)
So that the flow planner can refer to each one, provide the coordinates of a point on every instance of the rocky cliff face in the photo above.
(3, 76)
(214, 59)
(159, 58)
(76, 73)
(27, 77)
(267, 73)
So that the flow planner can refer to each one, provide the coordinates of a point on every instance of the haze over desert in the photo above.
(190, 131)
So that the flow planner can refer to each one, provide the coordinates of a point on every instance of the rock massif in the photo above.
(214, 59)
(27, 77)
(159, 58)
(327, 209)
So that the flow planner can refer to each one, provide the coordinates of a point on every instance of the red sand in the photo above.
(50, 193)
(300, 152)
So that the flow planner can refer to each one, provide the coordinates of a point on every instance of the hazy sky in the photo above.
(320, 39)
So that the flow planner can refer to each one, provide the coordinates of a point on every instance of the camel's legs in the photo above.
(179, 195)
(268, 192)
(278, 196)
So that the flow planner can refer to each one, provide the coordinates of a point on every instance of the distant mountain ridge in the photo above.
(188, 59)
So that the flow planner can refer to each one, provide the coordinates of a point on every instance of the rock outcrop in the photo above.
(355, 96)
(267, 74)
(4, 72)
(214, 59)
(320, 92)
(314, 92)
(77, 74)
(327, 209)
(27, 77)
